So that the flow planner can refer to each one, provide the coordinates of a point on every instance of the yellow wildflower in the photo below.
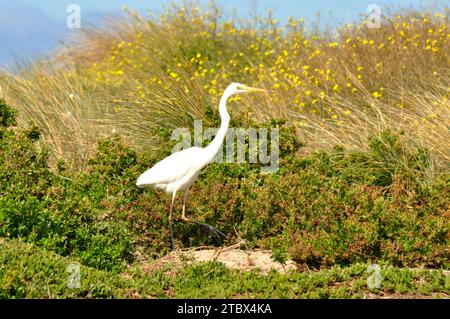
(377, 94)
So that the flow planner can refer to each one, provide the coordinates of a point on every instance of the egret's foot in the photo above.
(211, 229)
(214, 230)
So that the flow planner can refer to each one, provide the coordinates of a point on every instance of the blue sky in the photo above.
(30, 28)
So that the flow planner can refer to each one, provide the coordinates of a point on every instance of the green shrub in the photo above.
(46, 276)
(7, 115)
(327, 208)
(60, 213)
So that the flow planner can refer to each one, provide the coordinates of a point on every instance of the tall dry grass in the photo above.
(139, 74)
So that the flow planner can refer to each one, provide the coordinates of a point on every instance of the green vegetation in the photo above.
(363, 174)
(340, 208)
(45, 276)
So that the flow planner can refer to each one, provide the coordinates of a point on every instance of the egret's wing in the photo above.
(172, 168)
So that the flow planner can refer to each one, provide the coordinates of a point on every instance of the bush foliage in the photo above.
(327, 208)
(46, 277)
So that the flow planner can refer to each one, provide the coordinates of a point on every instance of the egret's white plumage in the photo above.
(176, 172)
(179, 171)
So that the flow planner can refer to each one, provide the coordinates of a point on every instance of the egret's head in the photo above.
(238, 88)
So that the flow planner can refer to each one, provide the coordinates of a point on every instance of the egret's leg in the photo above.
(212, 229)
(183, 216)
(171, 222)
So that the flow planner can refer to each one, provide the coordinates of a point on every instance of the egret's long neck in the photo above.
(215, 146)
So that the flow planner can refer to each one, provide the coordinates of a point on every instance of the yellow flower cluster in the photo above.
(300, 70)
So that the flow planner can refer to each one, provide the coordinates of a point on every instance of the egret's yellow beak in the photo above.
(250, 89)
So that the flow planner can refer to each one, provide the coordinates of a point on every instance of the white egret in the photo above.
(179, 171)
